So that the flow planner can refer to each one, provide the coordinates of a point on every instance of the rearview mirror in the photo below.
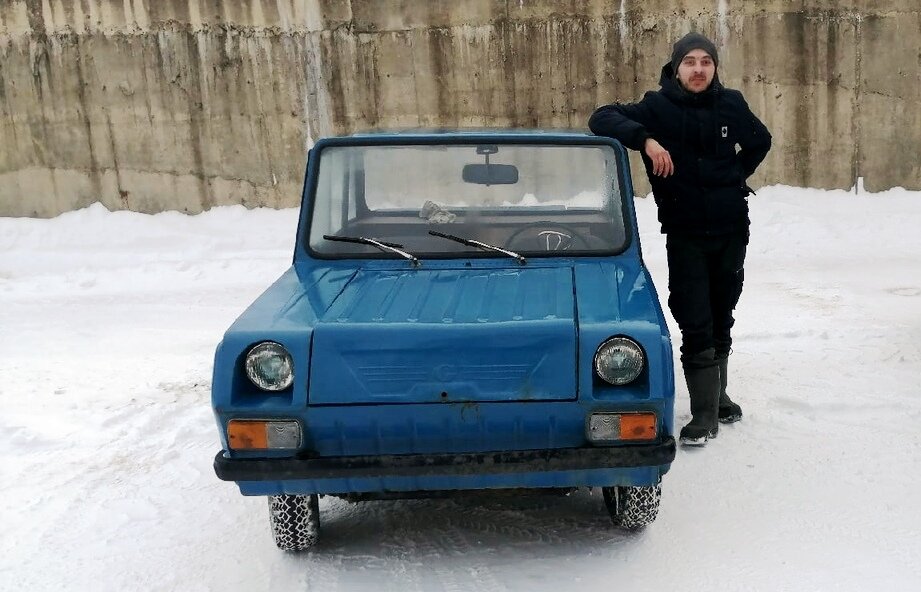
(490, 174)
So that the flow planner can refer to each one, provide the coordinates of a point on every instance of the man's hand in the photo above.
(662, 165)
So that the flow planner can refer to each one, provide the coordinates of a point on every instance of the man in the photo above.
(687, 133)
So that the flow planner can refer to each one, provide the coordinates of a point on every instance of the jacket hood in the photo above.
(668, 80)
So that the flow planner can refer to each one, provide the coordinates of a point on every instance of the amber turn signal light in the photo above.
(255, 434)
(638, 426)
(609, 427)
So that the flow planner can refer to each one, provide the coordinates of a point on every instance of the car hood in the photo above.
(448, 335)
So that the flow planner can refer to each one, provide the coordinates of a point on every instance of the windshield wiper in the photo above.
(382, 245)
(480, 245)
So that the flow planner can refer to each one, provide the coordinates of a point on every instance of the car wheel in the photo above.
(632, 508)
(295, 521)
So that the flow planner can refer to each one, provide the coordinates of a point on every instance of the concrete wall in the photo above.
(151, 104)
(185, 104)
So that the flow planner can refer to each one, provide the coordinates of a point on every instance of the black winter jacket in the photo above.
(707, 194)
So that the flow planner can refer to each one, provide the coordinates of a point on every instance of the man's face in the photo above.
(696, 71)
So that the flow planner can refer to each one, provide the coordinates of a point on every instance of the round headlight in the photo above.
(619, 360)
(269, 366)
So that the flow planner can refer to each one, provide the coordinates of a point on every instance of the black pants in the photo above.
(705, 275)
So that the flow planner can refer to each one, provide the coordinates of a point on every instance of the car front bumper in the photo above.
(445, 465)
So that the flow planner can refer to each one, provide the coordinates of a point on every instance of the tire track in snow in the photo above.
(460, 543)
(413, 544)
(482, 575)
(542, 518)
(322, 572)
(367, 557)
(422, 548)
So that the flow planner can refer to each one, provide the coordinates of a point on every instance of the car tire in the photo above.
(295, 521)
(632, 508)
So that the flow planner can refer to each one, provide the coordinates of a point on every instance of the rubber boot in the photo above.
(729, 412)
(702, 374)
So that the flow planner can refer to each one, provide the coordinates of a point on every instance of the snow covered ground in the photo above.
(108, 323)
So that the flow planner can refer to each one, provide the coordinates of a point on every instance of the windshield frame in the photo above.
(308, 201)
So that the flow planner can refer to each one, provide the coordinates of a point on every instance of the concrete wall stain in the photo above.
(187, 104)
(87, 126)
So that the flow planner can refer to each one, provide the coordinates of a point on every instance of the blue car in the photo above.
(465, 310)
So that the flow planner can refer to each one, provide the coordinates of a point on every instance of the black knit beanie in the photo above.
(689, 43)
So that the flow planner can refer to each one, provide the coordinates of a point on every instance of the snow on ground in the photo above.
(108, 323)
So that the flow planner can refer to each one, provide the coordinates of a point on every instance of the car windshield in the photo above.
(537, 200)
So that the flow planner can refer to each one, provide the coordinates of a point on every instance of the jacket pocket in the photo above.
(720, 172)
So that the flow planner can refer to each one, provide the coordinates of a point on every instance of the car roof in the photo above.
(466, 136)
(462, 132)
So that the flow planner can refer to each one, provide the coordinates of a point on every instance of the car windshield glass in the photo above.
(531, 199)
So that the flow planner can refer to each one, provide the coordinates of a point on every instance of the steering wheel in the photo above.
(547, 236)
